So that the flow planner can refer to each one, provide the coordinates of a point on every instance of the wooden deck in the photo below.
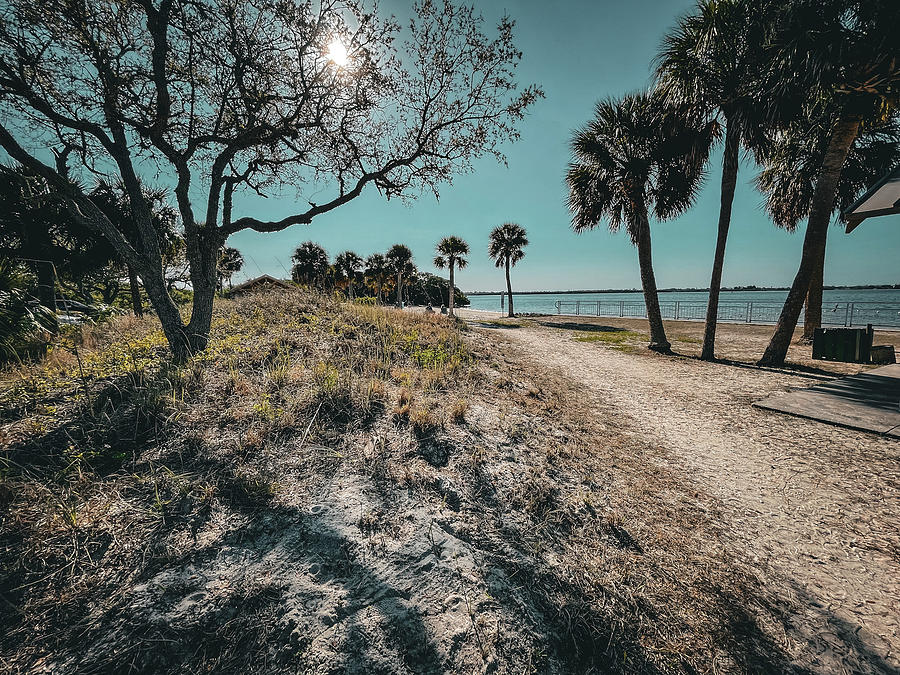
(869, 401)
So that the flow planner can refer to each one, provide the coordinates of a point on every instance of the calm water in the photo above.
(877, 306)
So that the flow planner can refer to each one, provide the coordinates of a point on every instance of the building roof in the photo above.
(882, 199)
(259, 282)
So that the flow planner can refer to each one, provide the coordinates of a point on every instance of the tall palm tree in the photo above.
(709, 61)
(348, 264)
(789, 175)
(451, 252)
(377, 270)
(505, 249)
(638, 153)
(844, 52)
(310, 264)
(400, 262)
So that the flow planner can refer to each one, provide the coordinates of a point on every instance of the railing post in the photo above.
(577, 307)
(558, 307)
(850, 321)
(677, 305)
(621, 308)
(750, 312)
(598, 308)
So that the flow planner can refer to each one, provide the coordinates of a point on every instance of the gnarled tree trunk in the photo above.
(137, 306)
(842, 137)
(729, 179)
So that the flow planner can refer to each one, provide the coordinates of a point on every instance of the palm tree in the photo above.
(845, 53)
(789, 175)
(505, 249)
(230, 263)
(450, 252)
(400, 262)
(637, 153)
(709, 61)
(310, 264)
(25, 324)
(348, 264)
(377, 270)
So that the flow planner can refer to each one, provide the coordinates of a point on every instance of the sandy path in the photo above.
(815, 507)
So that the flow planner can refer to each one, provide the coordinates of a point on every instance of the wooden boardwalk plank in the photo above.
(869, 401)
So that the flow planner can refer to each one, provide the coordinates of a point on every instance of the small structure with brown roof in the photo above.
(263, 282)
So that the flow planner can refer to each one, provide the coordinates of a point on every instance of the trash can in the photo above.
(850, 345)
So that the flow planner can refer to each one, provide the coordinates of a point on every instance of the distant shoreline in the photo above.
(742, 289)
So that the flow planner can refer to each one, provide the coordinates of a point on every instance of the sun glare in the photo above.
(337, 53)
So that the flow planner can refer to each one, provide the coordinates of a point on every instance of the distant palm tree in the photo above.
(348, 264)
(637, 153)
(400, 262)
(505, 248)
(310, 264)
(450, 254)
(377, 270)
(710, 61)
(843, 52)
(788, 180)
(230, 263)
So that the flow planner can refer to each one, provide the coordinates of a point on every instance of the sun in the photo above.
(337, 53)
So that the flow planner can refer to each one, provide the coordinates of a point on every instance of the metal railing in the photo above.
(879, 314)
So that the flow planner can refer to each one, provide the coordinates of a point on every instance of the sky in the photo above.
(579, 52)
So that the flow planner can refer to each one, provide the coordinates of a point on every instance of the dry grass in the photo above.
(487, 517)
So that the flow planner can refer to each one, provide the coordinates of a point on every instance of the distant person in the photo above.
(443, 308)
(429, 309)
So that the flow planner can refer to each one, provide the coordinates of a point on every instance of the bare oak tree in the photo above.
(217, 96)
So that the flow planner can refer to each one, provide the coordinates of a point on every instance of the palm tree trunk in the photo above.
(377, 292)
(399, 289)
(136, 304)
(450, 304)
(509, 290)
(726, 198)
(812, 317)
(658, 341)
(842, 137)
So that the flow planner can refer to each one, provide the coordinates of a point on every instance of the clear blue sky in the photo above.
(579, 52)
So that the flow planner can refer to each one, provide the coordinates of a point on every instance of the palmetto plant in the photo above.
(310, 264)
(348, 265)
(792, 165)
(23, 322)
(638, 154)
(710, 61)
(377, 272)
(841, 57)
(400, 262)
(506, 246)
(451, 252)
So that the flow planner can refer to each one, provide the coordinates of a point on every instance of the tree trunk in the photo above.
(726, 198)
(400, 289)
(509, 290)
(842, 137)
(377, 292)
(658, 341)
(136, 305)
(450, 304)
(812, 317)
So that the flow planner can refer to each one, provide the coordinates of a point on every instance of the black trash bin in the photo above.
(850, 345)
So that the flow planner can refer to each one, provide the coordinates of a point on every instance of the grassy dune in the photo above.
(341, 488)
